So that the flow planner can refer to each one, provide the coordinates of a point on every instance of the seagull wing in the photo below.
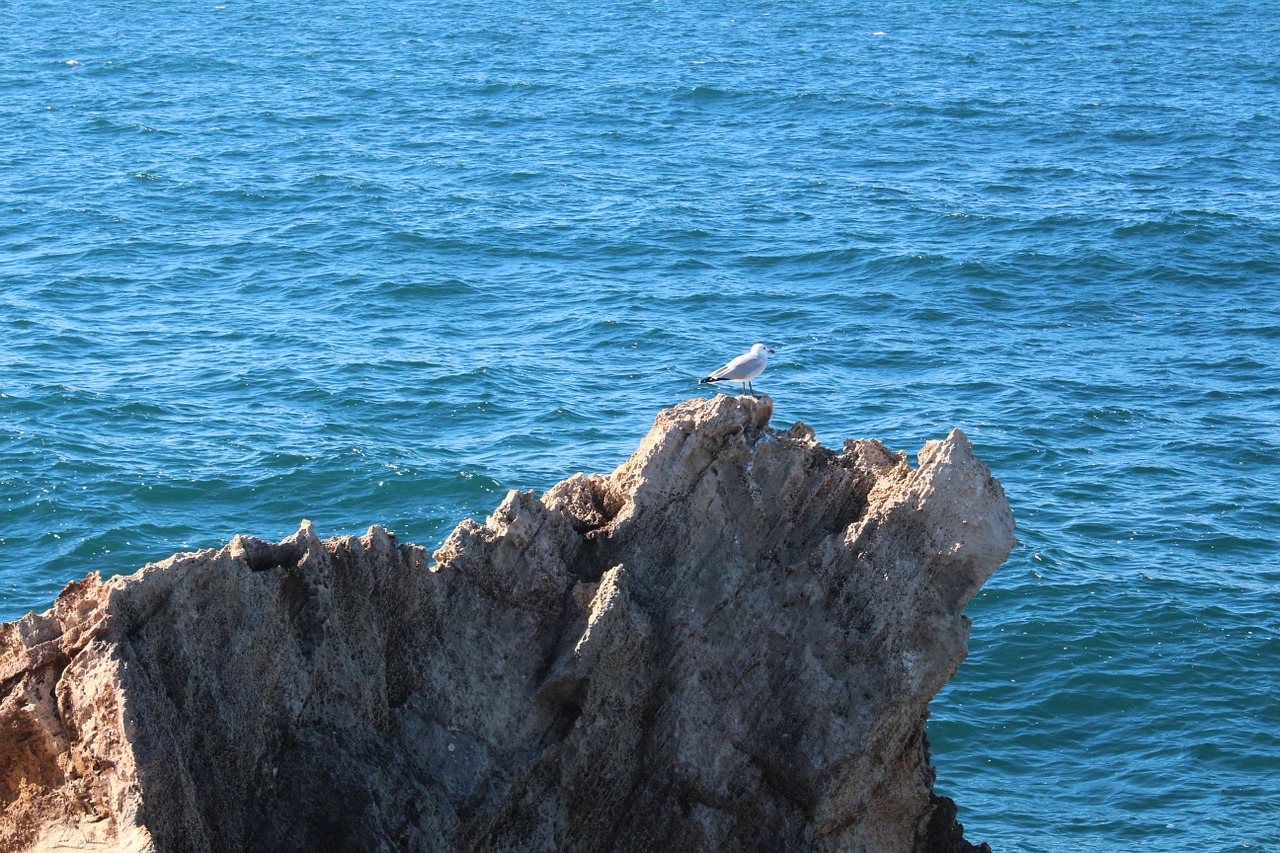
(738, 369)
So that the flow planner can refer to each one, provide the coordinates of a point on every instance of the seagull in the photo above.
(744, 368)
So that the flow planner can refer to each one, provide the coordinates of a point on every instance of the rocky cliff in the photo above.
(729, 643)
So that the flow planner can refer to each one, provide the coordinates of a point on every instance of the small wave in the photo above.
(706, 94)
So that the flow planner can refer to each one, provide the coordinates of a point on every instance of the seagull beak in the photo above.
(766, 349)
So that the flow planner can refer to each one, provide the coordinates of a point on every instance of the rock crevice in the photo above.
(730, 642)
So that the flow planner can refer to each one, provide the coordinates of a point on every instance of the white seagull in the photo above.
(744, 368)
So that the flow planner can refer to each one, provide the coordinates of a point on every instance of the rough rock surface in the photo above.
(729, 643)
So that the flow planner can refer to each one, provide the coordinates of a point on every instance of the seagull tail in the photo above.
(709, 379)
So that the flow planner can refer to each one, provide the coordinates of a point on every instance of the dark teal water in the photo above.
(379, 262)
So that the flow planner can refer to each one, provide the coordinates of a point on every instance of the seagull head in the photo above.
(760, 349)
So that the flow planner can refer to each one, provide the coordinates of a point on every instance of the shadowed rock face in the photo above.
(729, 643)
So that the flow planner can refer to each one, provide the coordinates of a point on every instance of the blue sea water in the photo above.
(378, 262)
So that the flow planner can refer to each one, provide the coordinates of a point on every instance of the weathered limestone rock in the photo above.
(729, 643)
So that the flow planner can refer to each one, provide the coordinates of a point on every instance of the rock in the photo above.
(729, 643)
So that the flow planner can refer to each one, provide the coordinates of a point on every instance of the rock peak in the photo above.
(728, 642)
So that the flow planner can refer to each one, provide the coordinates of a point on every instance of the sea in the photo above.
(379, 262)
